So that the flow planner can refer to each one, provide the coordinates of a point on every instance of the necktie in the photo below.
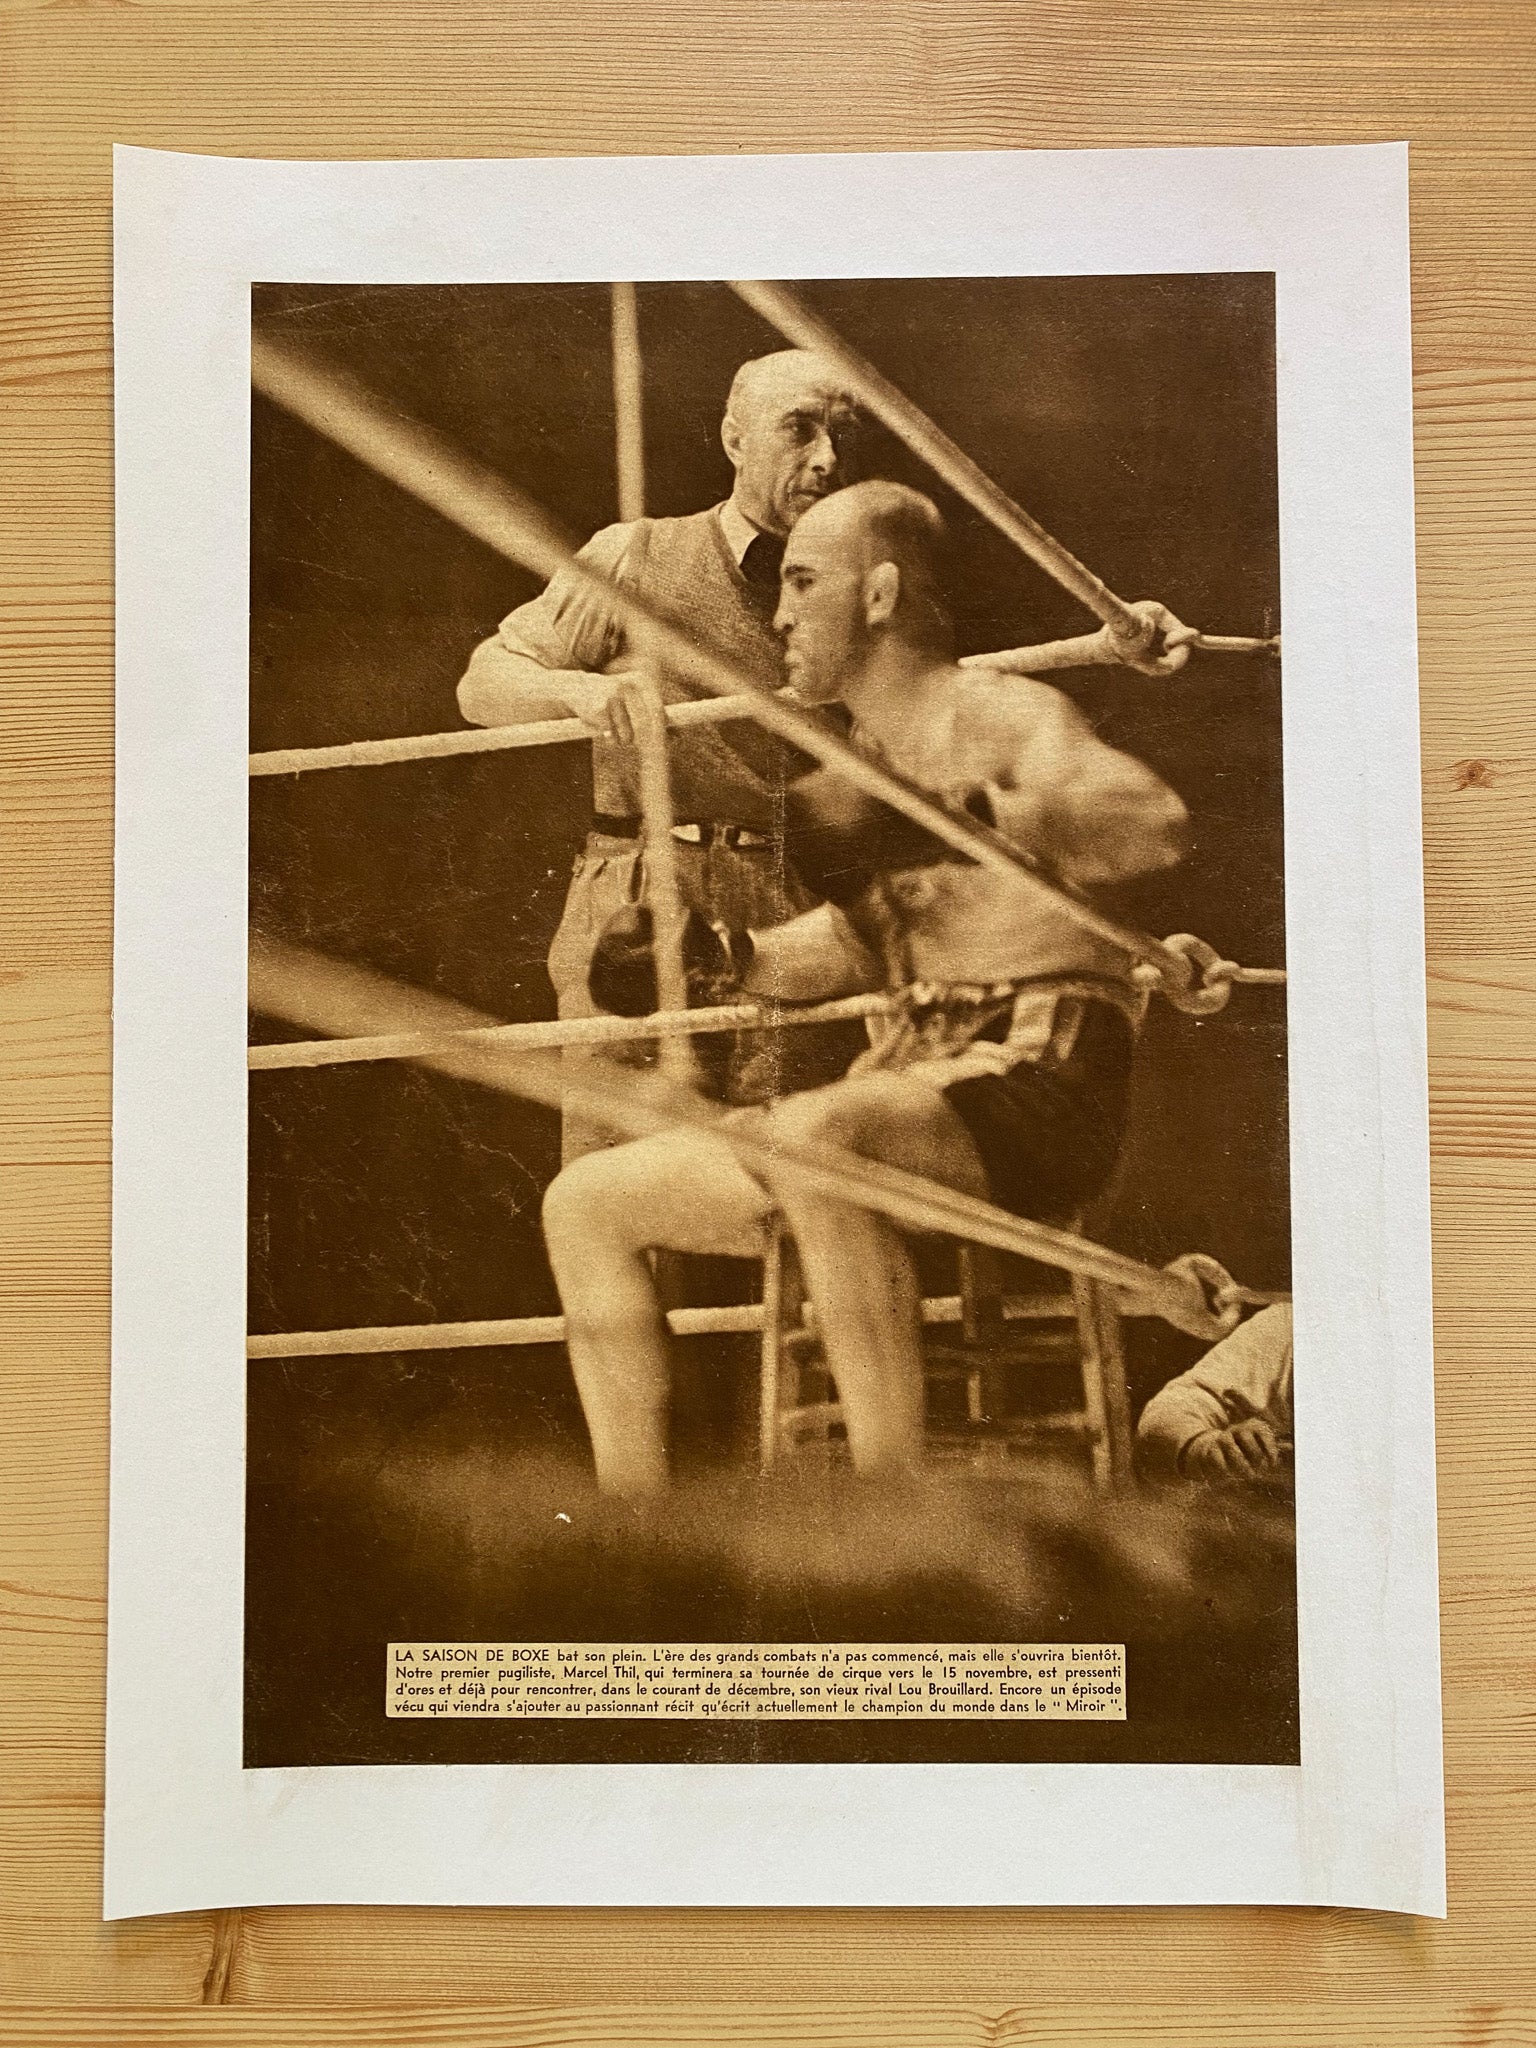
(760, 563)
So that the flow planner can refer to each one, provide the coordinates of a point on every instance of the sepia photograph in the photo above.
(769, 1227)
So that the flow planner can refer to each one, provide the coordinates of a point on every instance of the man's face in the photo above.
(821, 615)
(793, 440)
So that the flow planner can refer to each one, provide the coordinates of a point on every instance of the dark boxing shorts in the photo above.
(1048, 1130)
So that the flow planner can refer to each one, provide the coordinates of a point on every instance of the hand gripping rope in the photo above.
(486, 506)
(1194, 1293)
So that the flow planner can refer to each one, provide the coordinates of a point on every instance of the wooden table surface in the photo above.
(512, 77)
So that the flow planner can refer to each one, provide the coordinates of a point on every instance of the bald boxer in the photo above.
(790, 433)
(1004, 1069)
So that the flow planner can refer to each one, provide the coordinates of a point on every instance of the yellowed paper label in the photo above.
(762, 1681)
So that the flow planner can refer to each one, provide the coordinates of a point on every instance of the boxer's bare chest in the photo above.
(952, 920)
(950, 748)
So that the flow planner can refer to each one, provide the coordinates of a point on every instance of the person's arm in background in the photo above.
(1230, 1415)
(547, 659)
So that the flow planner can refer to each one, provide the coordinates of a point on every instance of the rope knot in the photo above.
(1202, 998)
(1209, 1300)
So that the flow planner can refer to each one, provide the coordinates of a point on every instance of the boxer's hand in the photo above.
(622, 976)
(838, 840)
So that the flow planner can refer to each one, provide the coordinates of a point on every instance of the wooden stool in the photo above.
(799, 1411)
(798, 1408)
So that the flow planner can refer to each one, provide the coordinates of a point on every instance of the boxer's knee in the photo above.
(856, 1112)
(591, 1200)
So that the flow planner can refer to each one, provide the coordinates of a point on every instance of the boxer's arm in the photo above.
(1092, 814)
(811, 959)
(838, 839)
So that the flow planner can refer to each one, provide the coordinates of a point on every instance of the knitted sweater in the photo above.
(731, 774)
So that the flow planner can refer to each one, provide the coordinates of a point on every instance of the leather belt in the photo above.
(690, 833)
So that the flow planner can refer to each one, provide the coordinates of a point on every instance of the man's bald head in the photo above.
(790, 430)
(788, 371)
(866, 566)
(884, 522)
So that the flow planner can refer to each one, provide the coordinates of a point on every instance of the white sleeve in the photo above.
(568, 626)
(1246, 1374)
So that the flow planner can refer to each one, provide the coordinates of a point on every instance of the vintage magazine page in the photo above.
(771, 1183)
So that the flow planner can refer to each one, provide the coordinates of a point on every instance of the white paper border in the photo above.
(1360, 1822)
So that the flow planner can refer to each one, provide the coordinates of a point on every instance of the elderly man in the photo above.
(790, 432)
(1003, 1071)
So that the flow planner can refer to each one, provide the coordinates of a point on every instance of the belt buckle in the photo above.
(712, 833)
(695, 832)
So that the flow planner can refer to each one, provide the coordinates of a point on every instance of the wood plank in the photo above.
(323, 77)
(753, 2025)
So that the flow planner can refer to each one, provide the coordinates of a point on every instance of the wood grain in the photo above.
(402, 77)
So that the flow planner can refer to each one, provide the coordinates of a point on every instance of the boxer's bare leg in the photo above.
(603, 1215)
(858, 1269)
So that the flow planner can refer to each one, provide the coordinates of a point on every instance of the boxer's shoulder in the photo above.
(1006, 714)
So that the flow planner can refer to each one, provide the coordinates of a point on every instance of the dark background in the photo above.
(1133, 416)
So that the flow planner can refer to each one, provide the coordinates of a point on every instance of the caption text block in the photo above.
(747, 1681)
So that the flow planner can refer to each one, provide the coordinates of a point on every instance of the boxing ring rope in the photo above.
(423, 463)
(545, 1036)
(1194, 1293)
(551, 1034)
(1132, 630)
(514, 1332)
(480, 739)
(1085, 651)
(1094, 650)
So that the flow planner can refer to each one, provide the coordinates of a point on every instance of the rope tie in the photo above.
(1159, 648)
(1164, 646)
(1217, 977)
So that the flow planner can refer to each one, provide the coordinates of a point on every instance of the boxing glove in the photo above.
(838, 840)
(622, 976)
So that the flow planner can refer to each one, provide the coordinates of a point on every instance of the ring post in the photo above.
(628, 403)
(663, 896)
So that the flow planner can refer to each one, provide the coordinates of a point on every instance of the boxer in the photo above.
(1003, 1070)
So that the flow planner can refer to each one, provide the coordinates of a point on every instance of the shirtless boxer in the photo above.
(1003, 1072)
